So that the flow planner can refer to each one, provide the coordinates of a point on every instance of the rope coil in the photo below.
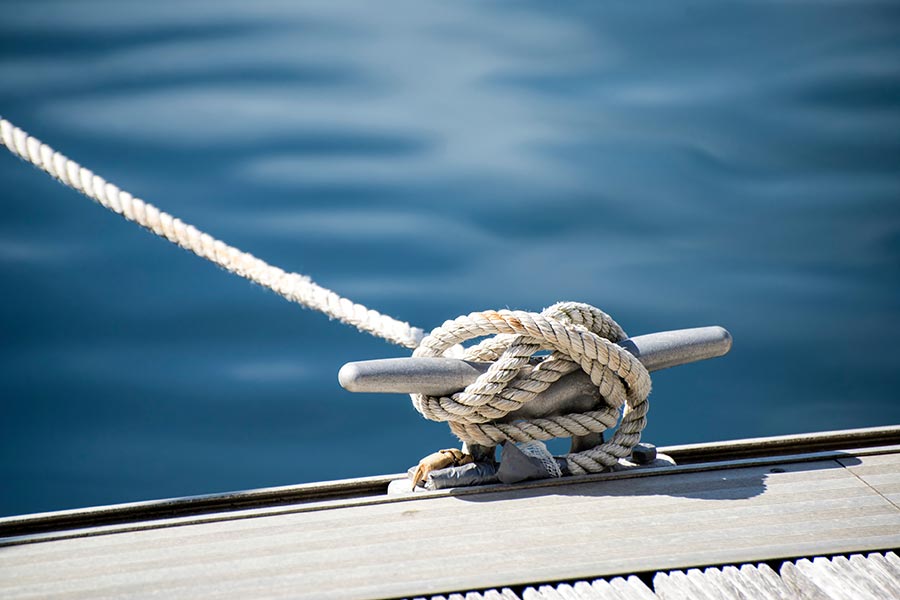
(578, 335)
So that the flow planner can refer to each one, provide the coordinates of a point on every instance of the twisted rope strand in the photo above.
(578, 335)
(292, 286)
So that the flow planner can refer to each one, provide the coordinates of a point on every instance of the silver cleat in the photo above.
(572, 393)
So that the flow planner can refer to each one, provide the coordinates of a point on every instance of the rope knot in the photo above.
(577, 336)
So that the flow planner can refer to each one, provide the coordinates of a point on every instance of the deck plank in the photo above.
(434, 544)
(880, 471)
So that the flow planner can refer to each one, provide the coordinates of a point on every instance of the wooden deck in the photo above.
(359, 543)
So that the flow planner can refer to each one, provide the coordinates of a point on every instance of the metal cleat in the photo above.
(572, 393)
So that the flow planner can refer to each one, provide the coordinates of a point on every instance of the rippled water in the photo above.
(678, 165)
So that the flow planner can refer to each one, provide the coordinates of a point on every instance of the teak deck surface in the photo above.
(727, 512)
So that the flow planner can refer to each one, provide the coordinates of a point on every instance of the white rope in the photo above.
(579, 335)
(292, 286)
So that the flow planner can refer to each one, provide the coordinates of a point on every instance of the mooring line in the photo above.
(292, 286)
(579, 335)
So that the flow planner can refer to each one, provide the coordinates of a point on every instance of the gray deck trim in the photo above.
(740, 512)
(786, 444)
(17, 529)
(138, 525)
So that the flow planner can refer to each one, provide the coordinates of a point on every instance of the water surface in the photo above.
(733, 163)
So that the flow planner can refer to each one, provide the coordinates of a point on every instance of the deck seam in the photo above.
(868, 485)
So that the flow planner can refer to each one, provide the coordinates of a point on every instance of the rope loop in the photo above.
(577, 336)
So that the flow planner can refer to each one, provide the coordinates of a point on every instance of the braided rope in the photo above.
(579, 335)
(292, 286)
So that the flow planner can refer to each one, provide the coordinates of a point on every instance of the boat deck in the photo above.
(766, 500)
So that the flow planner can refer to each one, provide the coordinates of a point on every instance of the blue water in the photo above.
(676, 164)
